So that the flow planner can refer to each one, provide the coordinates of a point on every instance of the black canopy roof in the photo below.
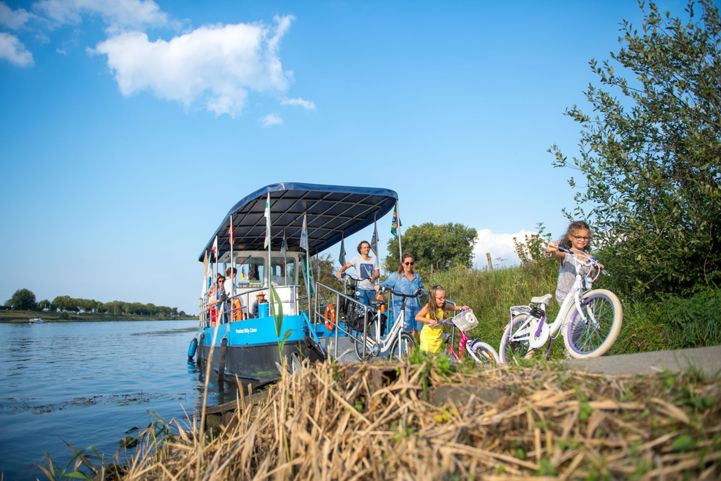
(333, 212)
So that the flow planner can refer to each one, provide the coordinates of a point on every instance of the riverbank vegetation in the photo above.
(23, 305)
(647, 179)
(429, 420)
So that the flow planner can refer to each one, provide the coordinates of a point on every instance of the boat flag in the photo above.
(214, 249)
(205, 274)
(267, 222)
(395, 222)
(341, 256)
(284, 245)
(230, 232)
(304, 235)
(374, 239)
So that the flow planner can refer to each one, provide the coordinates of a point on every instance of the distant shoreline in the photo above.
(19, 317)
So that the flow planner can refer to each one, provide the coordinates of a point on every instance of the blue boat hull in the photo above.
(251, 351)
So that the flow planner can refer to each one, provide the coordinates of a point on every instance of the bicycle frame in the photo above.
(382, 344)
(462, 341)
(540, 331)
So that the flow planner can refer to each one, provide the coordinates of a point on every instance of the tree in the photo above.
(435, 247)
(22, 300)
(651, 155)
(43, 305)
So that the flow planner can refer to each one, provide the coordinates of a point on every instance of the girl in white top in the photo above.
(578, 240)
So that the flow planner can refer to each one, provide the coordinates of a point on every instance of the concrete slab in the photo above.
(708, 359)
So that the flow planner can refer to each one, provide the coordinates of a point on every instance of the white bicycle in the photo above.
(589, 319)
(397, 342)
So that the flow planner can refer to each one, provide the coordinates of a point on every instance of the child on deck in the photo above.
(578, 240)
(435, 310)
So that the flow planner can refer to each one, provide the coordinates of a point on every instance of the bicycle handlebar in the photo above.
(589, 258)
(418, 293)
(589, 261)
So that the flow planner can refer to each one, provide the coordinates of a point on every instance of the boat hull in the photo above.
(251, 351)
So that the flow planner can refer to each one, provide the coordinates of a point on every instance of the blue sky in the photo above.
(128, 129)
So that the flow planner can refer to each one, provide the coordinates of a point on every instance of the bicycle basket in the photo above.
(465, 320)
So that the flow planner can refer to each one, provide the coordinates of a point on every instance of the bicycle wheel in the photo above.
(516, 338)
(595, 335)
(482, 353)
(402, 346)
(370, 346)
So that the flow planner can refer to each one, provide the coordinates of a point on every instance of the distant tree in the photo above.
(43, 305)
(326, 277)
(22, 300)
(435, 247)
(651, 154)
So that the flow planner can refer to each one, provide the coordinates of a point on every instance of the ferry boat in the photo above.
(243, 339)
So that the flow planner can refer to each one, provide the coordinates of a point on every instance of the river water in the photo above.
(88, 384)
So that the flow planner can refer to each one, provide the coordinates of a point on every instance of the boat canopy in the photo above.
(333, 212)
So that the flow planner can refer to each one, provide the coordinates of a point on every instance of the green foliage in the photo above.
(22, 300)
(650, 158)
(683, 444)
(671, 322)
(324, 263)
(118, 308)
(490, 294)
(435, 247)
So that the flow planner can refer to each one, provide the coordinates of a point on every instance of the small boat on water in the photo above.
(268, 237)
(35, 320)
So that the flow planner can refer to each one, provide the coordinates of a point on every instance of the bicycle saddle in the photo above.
(541, 299)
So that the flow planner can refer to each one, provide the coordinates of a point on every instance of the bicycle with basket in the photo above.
(481, 352)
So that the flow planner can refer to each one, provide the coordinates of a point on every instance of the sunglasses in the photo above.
(408, 263)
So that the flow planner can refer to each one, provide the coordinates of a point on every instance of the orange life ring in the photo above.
(237, 309)
(329, 315)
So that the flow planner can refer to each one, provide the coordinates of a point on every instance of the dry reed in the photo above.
(420, 422)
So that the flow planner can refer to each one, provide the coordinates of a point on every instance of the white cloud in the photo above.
(12, 50)
(117, 14)
(214, 65)
(14, 19)
(298, 102)
(271, 119)
(499, 245)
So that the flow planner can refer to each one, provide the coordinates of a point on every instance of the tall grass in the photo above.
(649, 324)
(491, 293)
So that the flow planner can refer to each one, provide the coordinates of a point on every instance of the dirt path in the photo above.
(708, 359)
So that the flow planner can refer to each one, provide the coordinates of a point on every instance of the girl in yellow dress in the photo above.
(434, 311)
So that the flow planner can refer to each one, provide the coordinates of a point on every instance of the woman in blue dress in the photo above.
(405, 281)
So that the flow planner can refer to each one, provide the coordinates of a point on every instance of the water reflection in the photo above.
(87, 384)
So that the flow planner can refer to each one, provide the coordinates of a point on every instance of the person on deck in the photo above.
(233, 305)
(260, 299)
(367, 271)
(215, 295)
(405, 281)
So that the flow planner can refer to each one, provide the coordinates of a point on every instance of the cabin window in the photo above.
(281, 270)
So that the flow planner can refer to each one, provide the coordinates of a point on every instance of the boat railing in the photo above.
(239, 306)
(343, 305)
